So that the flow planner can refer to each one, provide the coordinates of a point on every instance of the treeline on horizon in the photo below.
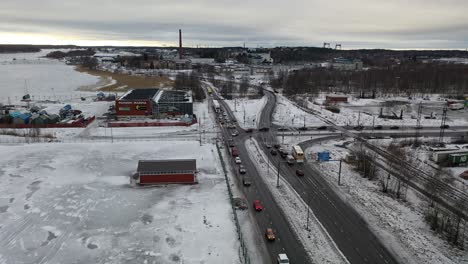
(409, 78)
(279, 54)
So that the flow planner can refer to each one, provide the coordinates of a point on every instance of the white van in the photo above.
(283, 259)
(290, 159)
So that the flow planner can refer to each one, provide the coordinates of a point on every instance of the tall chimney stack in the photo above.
(181, 51)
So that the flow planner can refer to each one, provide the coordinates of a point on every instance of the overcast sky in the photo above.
(396, 24)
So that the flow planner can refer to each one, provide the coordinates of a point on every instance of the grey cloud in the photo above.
(371, 23)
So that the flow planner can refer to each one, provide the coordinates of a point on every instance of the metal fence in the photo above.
(243, 247)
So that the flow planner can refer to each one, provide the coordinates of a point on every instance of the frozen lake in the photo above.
(22, 73)
(71, 203)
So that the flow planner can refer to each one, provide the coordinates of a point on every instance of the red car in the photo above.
(299, 172)
(257, 205)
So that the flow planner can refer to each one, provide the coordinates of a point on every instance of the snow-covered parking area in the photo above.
(71, 203)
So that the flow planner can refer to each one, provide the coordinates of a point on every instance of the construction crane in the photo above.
(337, 46)
(326, 45)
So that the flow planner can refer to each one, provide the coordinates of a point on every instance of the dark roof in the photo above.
(174, 96)
(167, 165)
(140, 94)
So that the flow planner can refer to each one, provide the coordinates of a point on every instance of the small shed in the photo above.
(334, 98)
(153, 172)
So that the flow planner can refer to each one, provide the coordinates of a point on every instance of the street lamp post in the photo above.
(339, 173)
(279, 167)
(308, 205)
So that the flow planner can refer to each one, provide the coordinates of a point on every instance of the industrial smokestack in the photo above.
(181, 52)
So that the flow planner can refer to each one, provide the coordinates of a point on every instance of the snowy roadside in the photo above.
(399, 225)
(289, 115)
(318, 244)
(248, 110)
(256, 248)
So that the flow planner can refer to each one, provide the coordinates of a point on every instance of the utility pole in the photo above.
(244, 116)
(304, 121)
(339, 174)
(279, 167)
(359, 118)
(373, 123)
(308, 205)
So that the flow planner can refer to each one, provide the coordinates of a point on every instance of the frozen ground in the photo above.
(400, 225)
(40, 77)
(247, 111)
(288, 115)
(318, 243)
(71, 203)
(370, 108)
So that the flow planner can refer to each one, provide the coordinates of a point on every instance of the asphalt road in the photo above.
(272, 216)
(347, 228)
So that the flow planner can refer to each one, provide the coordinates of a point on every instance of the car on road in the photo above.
(234, 133)
(242, 169)
(249, 130)
(299, 172)
(257, 205)
(290, 159)
(283, 259)
(277, 146)
(246, 181)
(358, 128)
(394, 127)
(264, 129)
(231, 142)
(238, 160)
(283, 129)
(302, 128)
(378, 127)
(231, 126)
(273, 152)
(224, 114)
(234, 152)
(268, 145)
(322, 128)
(283, 154)
(445, 126)
(269, 234)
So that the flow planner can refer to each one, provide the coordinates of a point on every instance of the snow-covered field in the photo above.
(247, 111)
(71, 203)
(40, 77)
(400, 225)
(288, 115)
(366, 111)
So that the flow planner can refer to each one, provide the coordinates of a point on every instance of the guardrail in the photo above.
(243, 248)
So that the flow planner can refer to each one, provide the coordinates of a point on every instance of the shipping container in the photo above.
(444, 155)
(458, 159)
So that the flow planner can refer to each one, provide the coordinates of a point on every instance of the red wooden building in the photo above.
(152, 172)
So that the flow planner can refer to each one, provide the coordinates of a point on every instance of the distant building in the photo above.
(346, 64)
(152, 172)
(201, 61)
